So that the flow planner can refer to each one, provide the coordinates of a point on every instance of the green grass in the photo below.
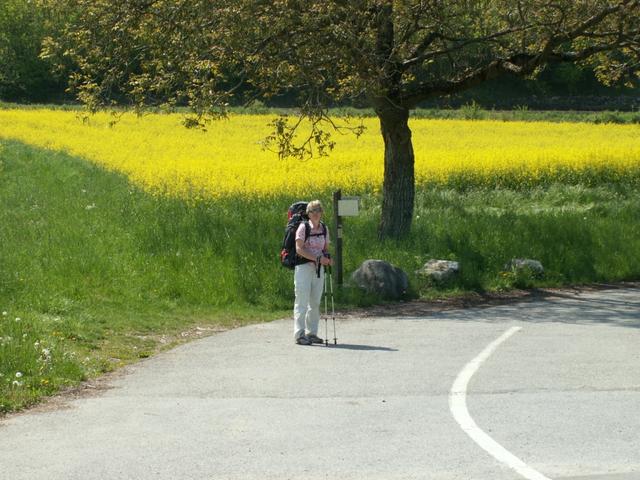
(96, 268)
(581, 235)
(101, 274)
(471, 111)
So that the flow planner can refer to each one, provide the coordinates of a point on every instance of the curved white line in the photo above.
(458, 407)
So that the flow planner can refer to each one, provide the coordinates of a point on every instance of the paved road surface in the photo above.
(553, 384)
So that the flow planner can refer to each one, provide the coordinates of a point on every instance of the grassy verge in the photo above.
(100, 274)
(95, 274)
(580, 234)
(471, 111)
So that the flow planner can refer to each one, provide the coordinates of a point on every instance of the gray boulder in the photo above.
(381, 278)
(439, 271)
(526, 264)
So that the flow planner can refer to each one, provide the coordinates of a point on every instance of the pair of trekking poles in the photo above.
(327, 269)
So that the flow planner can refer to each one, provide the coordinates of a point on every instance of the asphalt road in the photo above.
(548, 389)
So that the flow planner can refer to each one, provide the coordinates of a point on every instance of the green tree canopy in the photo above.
(24, 76)
(389, 54)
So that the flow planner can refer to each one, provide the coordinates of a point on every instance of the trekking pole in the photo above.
(326, 313)
(333, 307)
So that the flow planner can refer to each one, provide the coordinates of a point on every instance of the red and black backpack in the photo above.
(296, 214)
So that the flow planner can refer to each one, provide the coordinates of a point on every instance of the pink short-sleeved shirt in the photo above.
(316, 244)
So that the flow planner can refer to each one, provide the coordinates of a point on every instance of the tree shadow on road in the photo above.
(604, 304)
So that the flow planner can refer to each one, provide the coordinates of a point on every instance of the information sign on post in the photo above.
(342, 207)
(348, 206)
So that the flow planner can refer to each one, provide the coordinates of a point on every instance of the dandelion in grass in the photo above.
(46, 355)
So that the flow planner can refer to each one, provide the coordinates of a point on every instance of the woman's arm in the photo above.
(303, 252)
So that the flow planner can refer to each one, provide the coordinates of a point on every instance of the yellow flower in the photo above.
(157, 153)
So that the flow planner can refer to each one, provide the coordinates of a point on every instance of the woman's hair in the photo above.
(314, 204)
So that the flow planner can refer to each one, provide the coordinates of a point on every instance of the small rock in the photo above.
(521, 264)
(439, 270)
(381, 278)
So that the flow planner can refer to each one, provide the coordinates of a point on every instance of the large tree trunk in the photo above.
(399, 181)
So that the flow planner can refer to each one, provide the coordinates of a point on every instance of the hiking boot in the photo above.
(303, 340)
(314, 338)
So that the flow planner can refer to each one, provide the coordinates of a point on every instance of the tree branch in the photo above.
(464, 43)
(518, 65)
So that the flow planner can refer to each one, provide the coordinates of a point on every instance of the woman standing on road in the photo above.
(312, 248)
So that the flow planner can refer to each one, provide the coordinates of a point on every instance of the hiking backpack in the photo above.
(296, 214)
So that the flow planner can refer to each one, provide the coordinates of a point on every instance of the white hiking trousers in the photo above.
(306, 310)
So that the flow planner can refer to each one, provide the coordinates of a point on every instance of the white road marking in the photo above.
(458, 407)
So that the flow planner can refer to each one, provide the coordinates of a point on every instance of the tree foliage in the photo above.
(193, 50)
(24, 75)
(388, 54)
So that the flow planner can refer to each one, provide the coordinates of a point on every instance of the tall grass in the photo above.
(95, 267)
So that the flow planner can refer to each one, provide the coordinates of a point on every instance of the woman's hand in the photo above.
(326, 261)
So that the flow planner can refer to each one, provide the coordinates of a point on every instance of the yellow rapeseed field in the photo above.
(156, 152)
